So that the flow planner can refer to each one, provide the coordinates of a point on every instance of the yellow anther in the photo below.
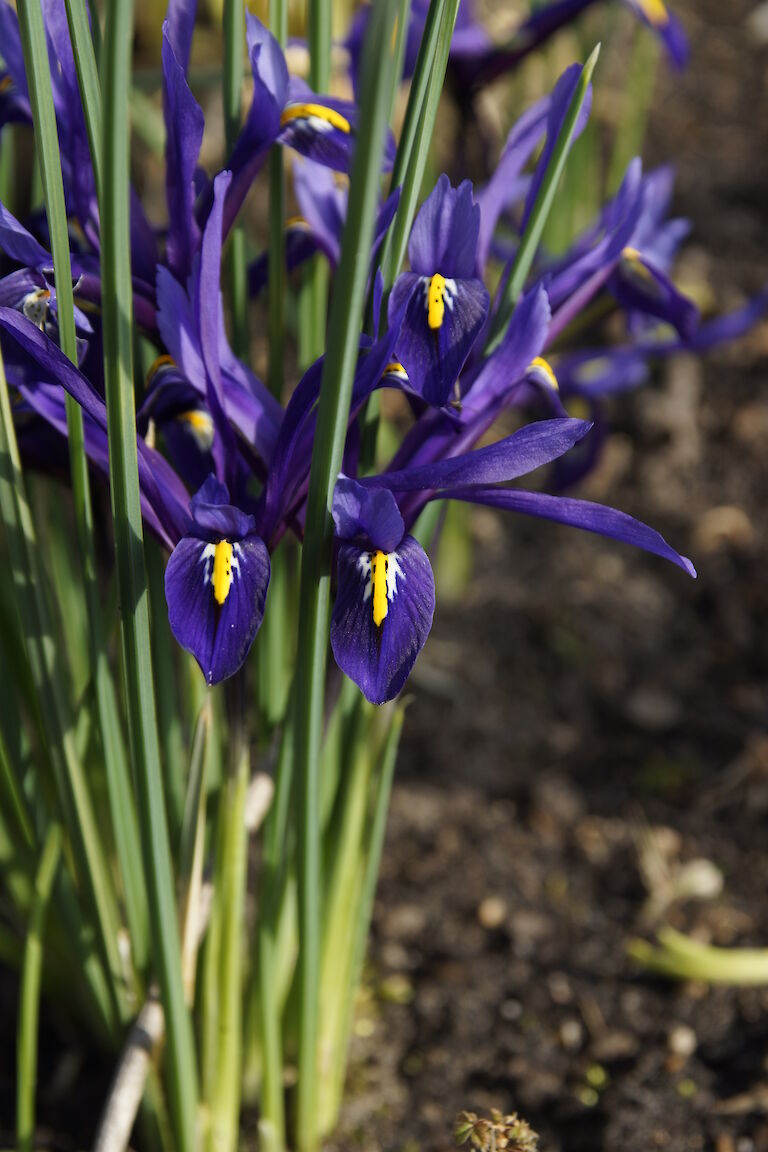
(655, 12)
(222, 571)
(544, 368)
(296, 222)
(395, 368)
(200, 424)
(315, 112)
(436, 301)
(197, 419)
(636, 268)
(379, 562)
(164, 361)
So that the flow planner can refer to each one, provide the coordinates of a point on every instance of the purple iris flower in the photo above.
(175, 410)
(218, 573)
(443, 304)
(216, 583)
(477, 68)
(284, 110)
(476, 61)
(322, 205)
(628, 252)
(190, 319)
(31, 288)
(385, 598)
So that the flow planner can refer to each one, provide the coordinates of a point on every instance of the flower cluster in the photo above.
(224, 467)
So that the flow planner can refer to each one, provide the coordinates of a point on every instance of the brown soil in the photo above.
(585, 710)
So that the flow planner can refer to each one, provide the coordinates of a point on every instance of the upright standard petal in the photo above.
(216, 591)
(184, 135)
(180, 20)
(382, 615)
(441, 304)
(371, 514)
(445, 232)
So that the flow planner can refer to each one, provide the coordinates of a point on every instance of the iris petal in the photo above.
(434, 355)
(216, 600)
(641, 285)
(379, 656)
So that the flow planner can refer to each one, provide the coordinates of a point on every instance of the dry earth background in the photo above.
(583, 714)
(578, 697)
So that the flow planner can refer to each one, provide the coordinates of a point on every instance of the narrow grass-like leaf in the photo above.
(87, 77)
(313, 304)
(230, 885)
(428, 81)
(165, 654)
(12, 801)
(273, 865)
(333, 412)
(410, 165)
(132, 581)
(425, 62)
(401, 41)
(319, 36)
(29, 1001)
(191, 850)
(529, 241)
(56, 718)
(41, 98)
(232, 92)
(278, 26)
(361, 923)
(635, 105)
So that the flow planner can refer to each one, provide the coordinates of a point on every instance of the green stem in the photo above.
(29, 1000)
(192, 848)
(361, 920)
(681, 958)
(165, 653)
(319, 36)
(272, 1123)
(340, 908)
(230, 885)
(132, 582)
